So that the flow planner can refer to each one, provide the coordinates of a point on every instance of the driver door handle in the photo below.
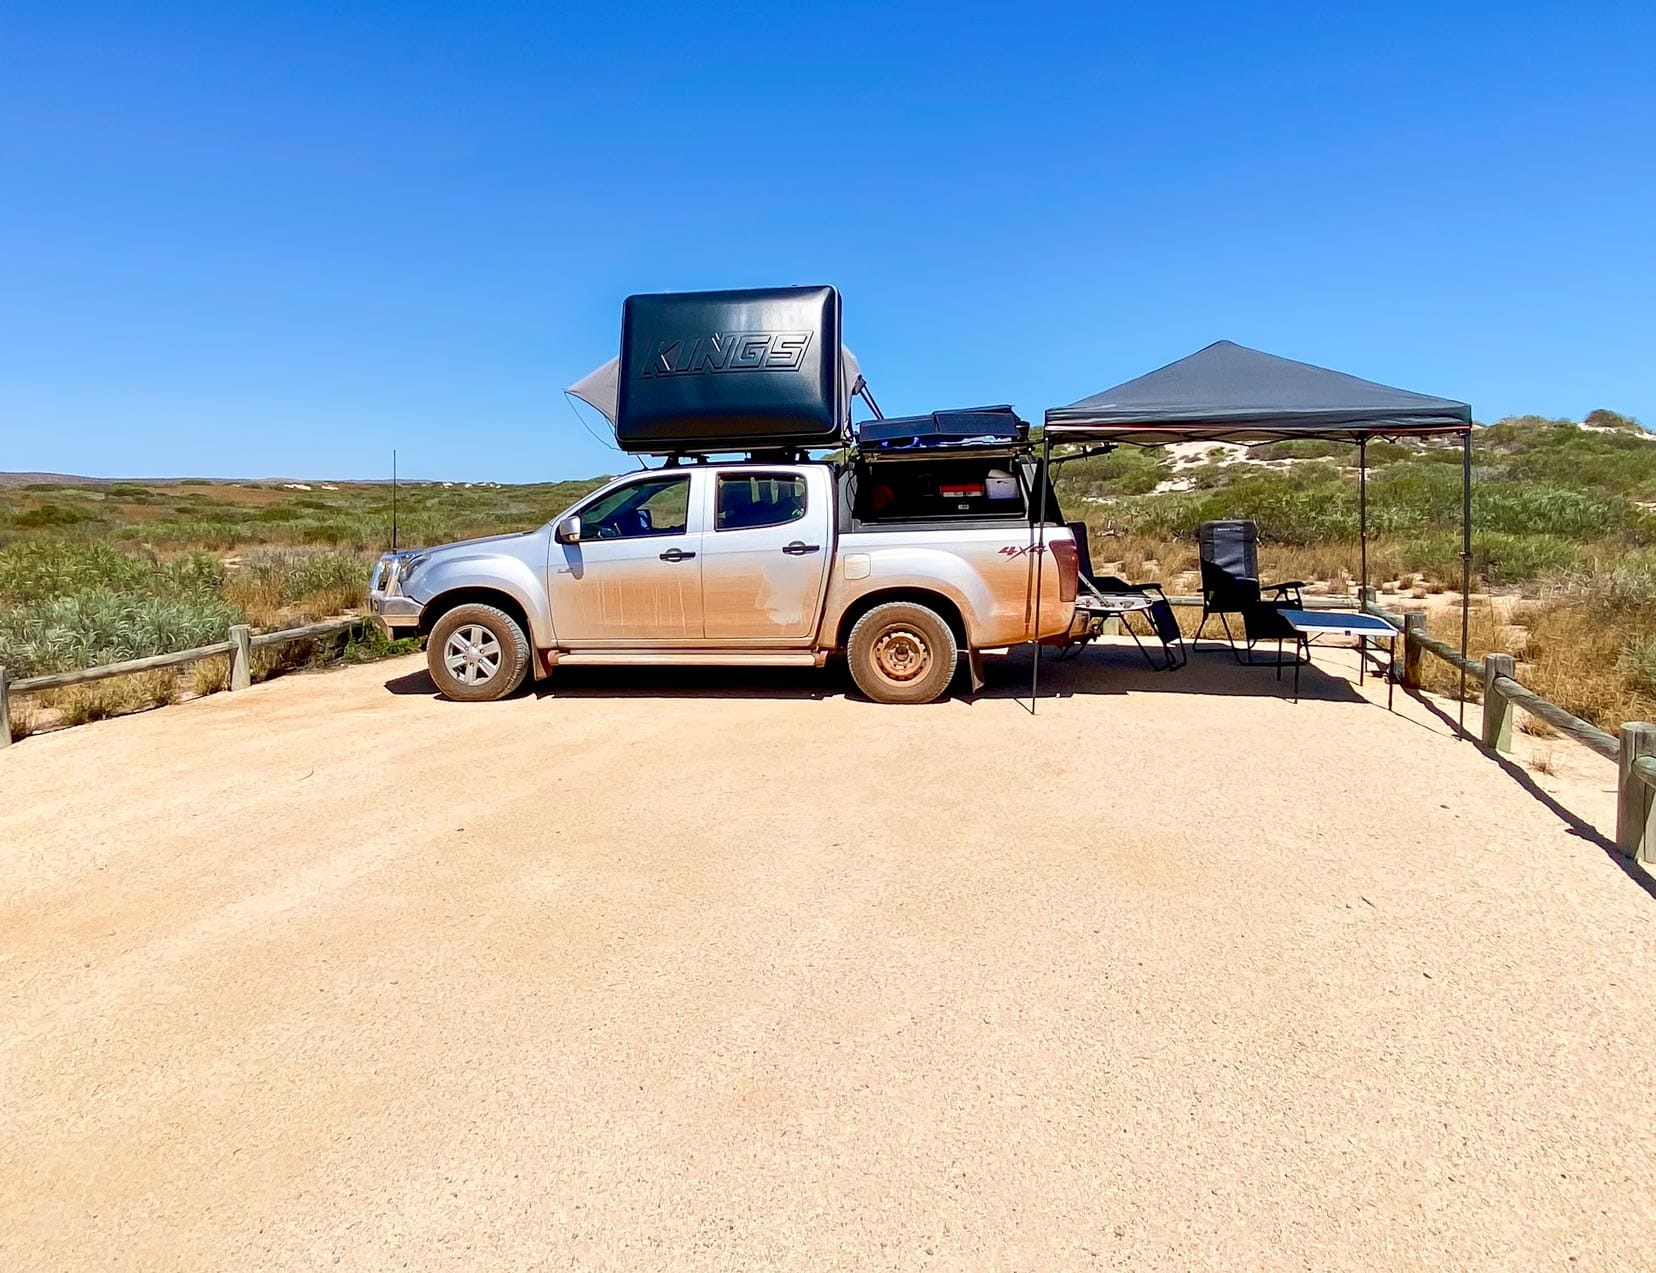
(676, 554)
(799, 548)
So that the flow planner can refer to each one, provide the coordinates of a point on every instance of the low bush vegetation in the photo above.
(1565, 519)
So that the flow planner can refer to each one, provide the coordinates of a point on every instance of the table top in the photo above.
(1120, 602)
(1338, 622)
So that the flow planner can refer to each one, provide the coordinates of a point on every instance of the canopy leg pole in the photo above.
(1040, 561)
(1466, 564)
(1362, 519)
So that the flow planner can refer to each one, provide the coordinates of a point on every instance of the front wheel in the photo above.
(477, 653)
(902, 652)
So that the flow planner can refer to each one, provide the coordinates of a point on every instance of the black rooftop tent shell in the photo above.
(1230, 393)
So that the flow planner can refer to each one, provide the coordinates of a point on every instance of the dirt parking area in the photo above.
(732, 971)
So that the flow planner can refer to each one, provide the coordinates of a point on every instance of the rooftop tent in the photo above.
(1230, 393)
(600, 388)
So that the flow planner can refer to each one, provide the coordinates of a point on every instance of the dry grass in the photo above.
(1577, 658)
(209, 676)
(1571, 653)
(293, 656)
(100, 700)
(1535, 727)
(141, 691)
(278, 587)
(25, 718)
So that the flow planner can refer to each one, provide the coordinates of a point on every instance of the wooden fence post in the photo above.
(241, 656)
(1634, 798)
(1497, 710)
(5, 711)
(1414, 625)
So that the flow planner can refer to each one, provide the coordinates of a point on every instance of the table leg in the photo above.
(1297, 661)
(1362, 657)
(1391, 670)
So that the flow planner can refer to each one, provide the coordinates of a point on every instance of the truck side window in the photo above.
(751, 500)
(660, 506)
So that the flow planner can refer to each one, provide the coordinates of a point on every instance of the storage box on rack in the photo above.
(730, 371)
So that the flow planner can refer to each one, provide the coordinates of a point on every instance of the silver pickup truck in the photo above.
(901, 568)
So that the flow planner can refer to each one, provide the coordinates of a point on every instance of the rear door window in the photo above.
(747, 501)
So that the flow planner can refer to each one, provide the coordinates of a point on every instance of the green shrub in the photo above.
(1498, 558)
(91, 628)
(1302, 449)
(1603, 419)
(1127, 470)
(1548, 510)
(52, 515)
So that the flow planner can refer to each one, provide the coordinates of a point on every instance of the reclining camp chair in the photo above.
(1230, 585)
(1164, 624)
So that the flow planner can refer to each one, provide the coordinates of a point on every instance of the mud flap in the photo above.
(974, 670)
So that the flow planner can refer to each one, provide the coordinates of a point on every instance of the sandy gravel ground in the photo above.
(729, 971)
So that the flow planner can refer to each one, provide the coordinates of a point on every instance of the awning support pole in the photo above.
(1362, 517)
(1466, 563)
(1040, 561)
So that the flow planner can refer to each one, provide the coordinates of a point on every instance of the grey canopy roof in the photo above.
(1230, 393)
(600, 388)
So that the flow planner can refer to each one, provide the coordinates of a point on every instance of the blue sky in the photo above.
(266, 240)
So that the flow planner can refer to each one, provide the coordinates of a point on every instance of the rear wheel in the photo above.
(477, 653)
(902, 652)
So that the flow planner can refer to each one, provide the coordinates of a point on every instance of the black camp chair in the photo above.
(1164, 624)
(1230, 585)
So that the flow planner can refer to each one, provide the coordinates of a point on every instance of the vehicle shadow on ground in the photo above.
(1100, 669)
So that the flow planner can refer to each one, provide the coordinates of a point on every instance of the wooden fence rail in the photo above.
(239, 648)
(1634, 752)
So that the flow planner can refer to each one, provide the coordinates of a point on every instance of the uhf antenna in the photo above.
(393, 499)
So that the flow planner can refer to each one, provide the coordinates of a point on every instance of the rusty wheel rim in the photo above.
(902, 655)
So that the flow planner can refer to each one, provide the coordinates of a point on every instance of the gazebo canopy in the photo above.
(1230, 393)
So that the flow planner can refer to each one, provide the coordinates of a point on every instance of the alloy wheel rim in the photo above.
(472, 654)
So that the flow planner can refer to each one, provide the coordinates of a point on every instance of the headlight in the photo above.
(384, 578)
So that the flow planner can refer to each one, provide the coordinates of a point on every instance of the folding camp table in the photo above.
(1309, 625)
(1094, 606)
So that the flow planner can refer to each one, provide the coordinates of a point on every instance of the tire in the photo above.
(477, 653)
(902, 652)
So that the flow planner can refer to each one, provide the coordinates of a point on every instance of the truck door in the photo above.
(634, 578)
(765, 554)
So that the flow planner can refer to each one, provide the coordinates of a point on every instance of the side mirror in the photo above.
(569, 530)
